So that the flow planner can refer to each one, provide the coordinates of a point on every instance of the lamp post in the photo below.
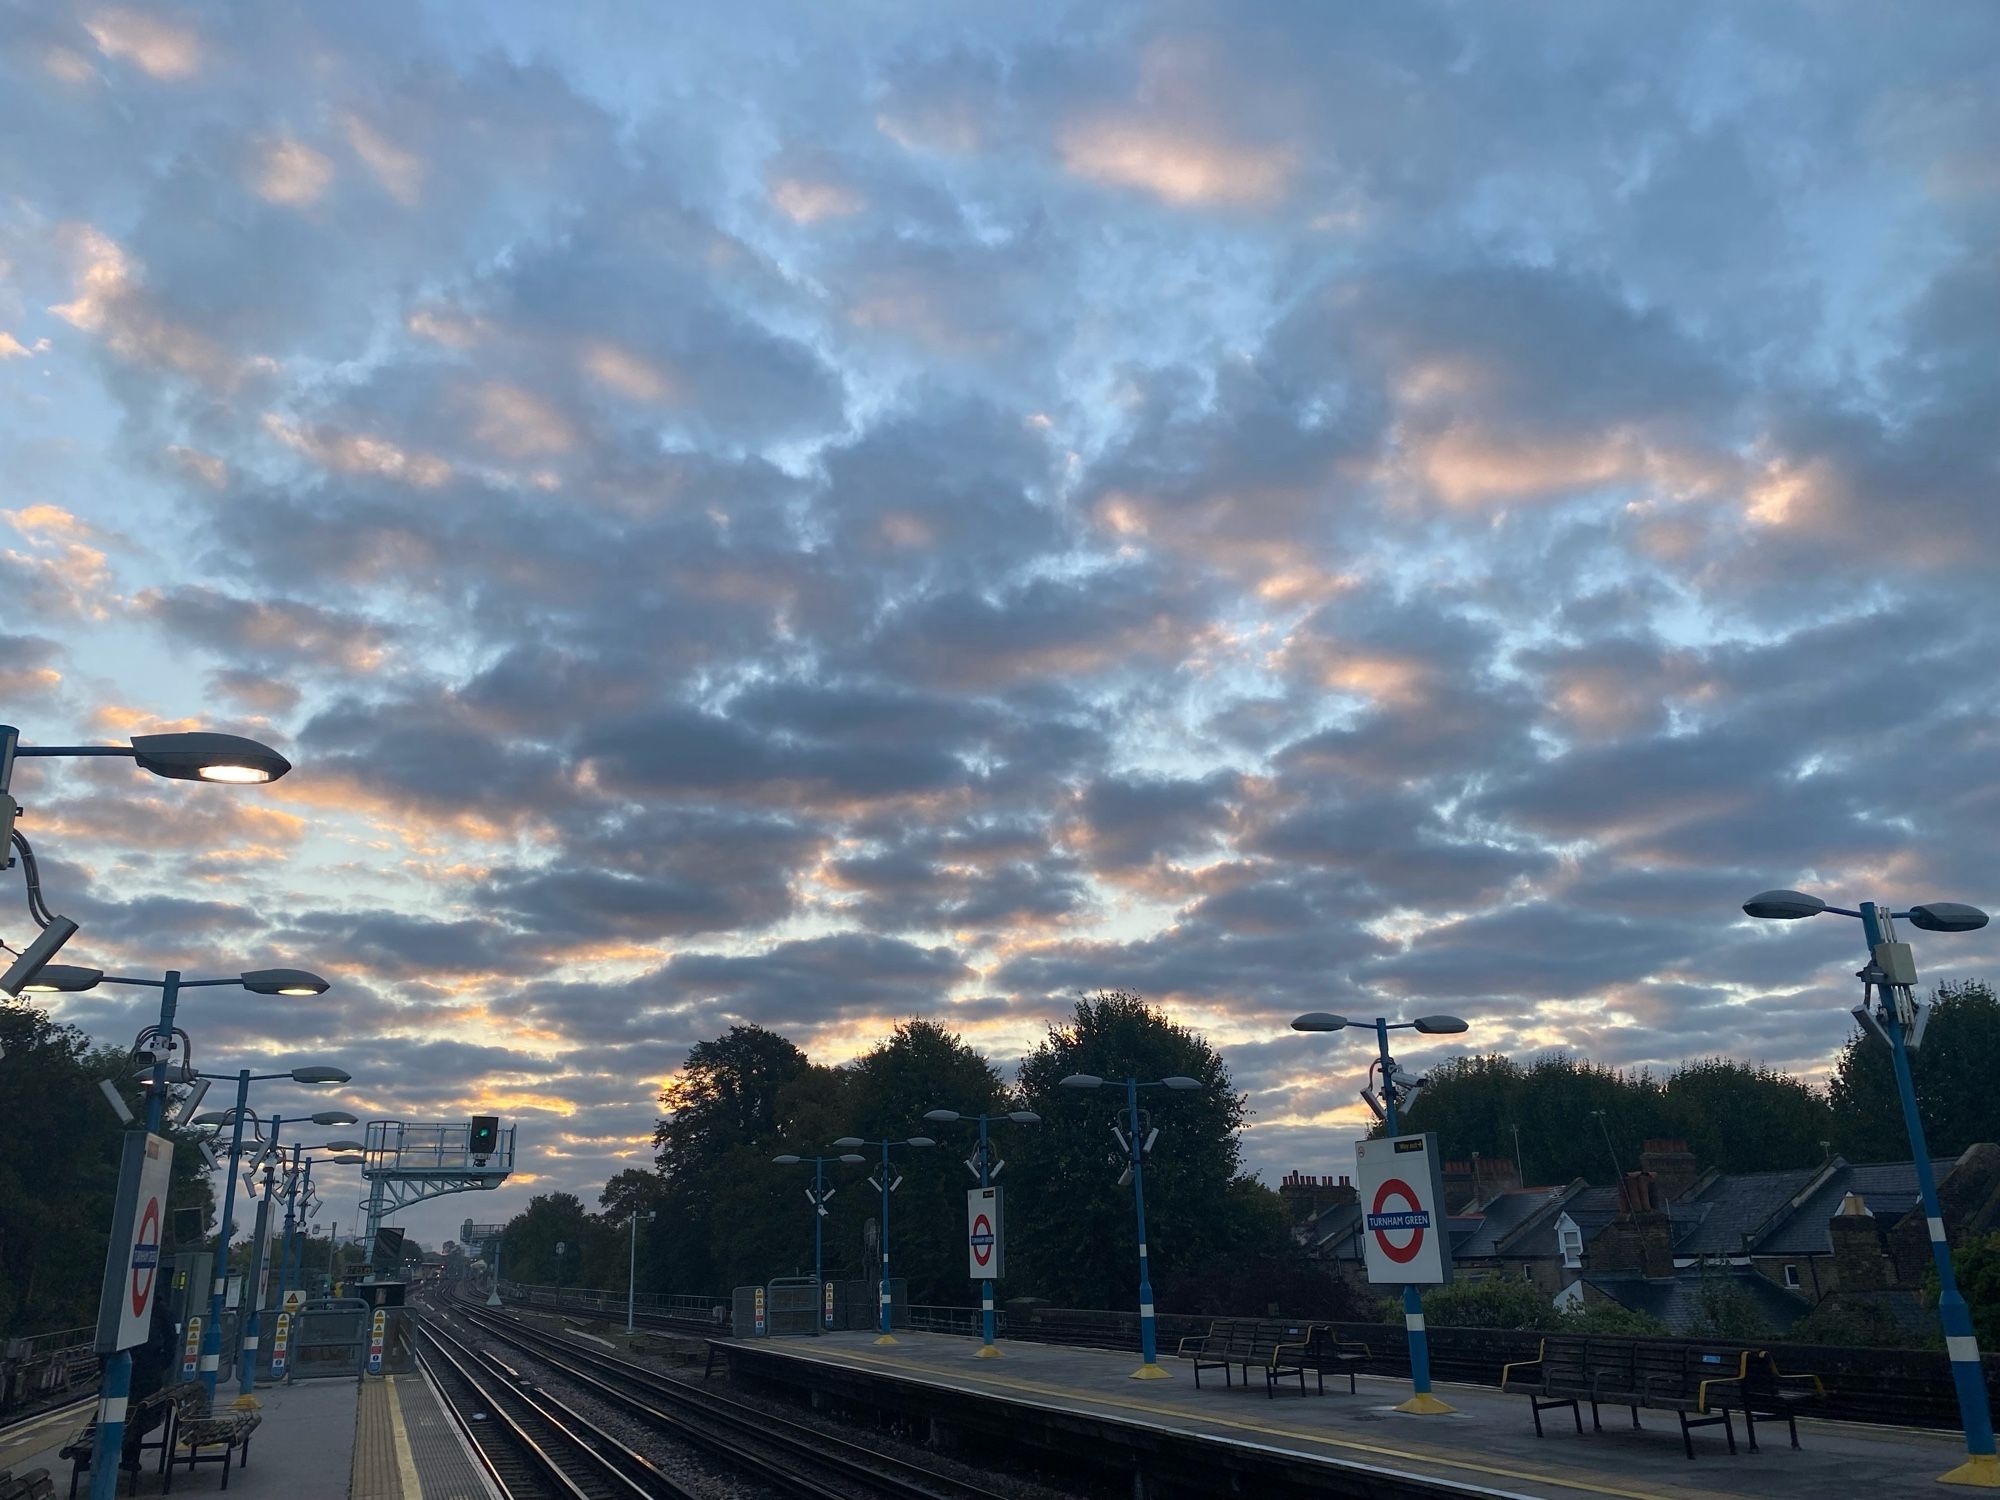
(211, 1336)
(1398, 1090)
(191, 756)
(298, 1174)
(888, 1186)
(1136, 1148)
(985, 1171)
(1896, 1019)
(161, 1036)
(632, 1269)
(818, 1193)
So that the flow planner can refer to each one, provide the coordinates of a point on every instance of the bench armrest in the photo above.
(1804, 1382)
(1349, 1346)
(1541, 1353)
(1277, 1349)
(1742, 1372)
(1192, 1343)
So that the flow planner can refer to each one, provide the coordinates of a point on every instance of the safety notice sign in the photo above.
(1406, 1238)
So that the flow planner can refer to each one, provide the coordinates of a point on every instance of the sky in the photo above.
(816, 515)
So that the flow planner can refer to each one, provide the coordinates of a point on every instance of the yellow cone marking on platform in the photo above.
(1980, 1470)
(1070, 1396)
(406, 1462)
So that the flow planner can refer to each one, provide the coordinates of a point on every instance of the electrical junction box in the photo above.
(1897, 961)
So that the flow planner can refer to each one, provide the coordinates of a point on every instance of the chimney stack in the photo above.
(1673, 1168)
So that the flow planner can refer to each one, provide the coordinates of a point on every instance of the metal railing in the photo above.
(45, 1364)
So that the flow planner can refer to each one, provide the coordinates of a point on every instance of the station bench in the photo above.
(138, 1423)
(1276, 1347)
(1699, 1383)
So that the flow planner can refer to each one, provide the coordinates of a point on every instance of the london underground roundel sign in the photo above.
(1397, 1212)
(145, 1256)
(982, 1239)
(1405, 1238)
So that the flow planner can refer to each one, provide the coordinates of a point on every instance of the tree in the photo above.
(1976, 1267)
(714, 1144)
(590, 1247)
(1953, 1073)
(59, 1155)
(1073, 1237)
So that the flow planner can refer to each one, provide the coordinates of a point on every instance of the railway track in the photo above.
(792, 1458)
(532, 1445)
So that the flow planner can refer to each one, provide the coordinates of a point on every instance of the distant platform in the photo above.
(1337, 1444)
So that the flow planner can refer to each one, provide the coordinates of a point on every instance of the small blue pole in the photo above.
(246, 1363)
(885, 1334)
(986, 1319)
(211, 1336)
(291, 1207)
(819, 1261)
(1982, 1465)
(1413, 1300)
(1149, 1342)
(116, 1387)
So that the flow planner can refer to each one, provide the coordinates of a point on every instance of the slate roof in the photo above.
(1733, 1206)
(1503, 1215)
(1889, 1189)
(1335, 1232)
(1676, 1300)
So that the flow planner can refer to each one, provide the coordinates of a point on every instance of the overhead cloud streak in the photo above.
(814, 517)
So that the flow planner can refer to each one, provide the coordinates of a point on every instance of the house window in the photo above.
(1792, 1277)
(1572, 1246)
(1527, 1271)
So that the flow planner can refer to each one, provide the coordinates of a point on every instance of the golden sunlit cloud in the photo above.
(626, 373)
(517, 423)
(804, 201)
(161, 49)
(397, 168)
(357, 453)
(1174, 163)
(292, 173)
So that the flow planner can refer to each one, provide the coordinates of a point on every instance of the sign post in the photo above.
(1407, 1238)
(281, 1346)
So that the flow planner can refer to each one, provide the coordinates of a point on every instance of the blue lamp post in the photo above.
(986, 1171)
(1398, 1088)
(162, 1038)
(211, 1336)
(1136, 1148)
(298, 1174)
(819, 1192)
(1896, 1019)
(888, 1185)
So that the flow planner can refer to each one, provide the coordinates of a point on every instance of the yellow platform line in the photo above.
(406, 1462)
(17, 1442)
(1374, 1450)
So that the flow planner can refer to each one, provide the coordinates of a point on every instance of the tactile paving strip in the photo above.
(443, 1468)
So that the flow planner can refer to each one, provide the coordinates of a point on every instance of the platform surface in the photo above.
(386, 1439)
(1488, 1443)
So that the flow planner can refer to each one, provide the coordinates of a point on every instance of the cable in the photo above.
(31, 875)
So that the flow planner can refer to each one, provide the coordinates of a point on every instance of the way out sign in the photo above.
(1405, 1237)
(985, 1240)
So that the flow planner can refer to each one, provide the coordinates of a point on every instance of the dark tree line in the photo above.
(1737, 1117)
(59, 1152)
(728, 1215)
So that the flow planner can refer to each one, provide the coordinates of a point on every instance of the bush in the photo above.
(1855, 1324)
(1490, 1302)
(1609, 1317)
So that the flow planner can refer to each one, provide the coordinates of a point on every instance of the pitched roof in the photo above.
(1503, 1215)
(1889, 1188)
(1733, 1206)
(1676, 1300)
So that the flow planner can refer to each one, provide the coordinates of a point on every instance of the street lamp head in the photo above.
(215, 1117)
(1320, 1020)
(202, 756)
(1081, 1081)
(320, 1074)
(942, 1116)
(850, 1140)
(787, 1160)
(1024, 1117)
(1783, 906)
(1182, 1082)
(284, 982)
(349, 1160)
(345, 1146)
(852, 1160)
(335, 1117)
(1932, 916)
(920, 1140)
(62, 979)
(1439, 1025)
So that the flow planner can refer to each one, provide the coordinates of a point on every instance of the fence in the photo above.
(45, 1364)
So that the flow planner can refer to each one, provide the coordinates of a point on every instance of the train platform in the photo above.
(1056, 1399)
(377, 1439)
